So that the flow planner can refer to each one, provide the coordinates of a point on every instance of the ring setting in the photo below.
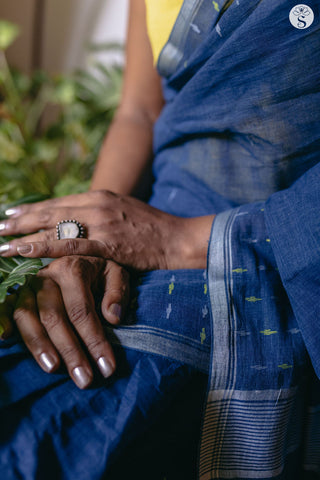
(69, 229)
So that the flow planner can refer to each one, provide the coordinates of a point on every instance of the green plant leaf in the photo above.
(15, 271)
(8, 33)
(18, 275)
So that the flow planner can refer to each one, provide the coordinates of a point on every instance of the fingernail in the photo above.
(4, 248)
(116, 310)
(81, 377)
(3, 226)
(11, 211)
(25, 249)
(47, 361)
(105, 367)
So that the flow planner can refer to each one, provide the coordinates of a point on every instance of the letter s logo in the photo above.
(301, 16)
(301, 22)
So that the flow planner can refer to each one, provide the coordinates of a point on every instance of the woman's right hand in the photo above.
(56, 315)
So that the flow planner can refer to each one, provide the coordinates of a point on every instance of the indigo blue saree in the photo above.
(223, 362)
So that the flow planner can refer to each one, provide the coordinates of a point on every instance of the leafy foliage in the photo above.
(51, 130)
(52, 126)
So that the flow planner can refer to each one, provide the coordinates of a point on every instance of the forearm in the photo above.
(127, 150)
(126, 154)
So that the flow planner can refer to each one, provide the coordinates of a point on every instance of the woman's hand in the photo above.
(117, 227)
(57, 315)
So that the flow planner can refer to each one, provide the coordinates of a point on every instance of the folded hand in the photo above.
(57, 315)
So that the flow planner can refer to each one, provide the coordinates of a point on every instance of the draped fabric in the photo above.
(131, 425)
(238, 137)
(243, 118)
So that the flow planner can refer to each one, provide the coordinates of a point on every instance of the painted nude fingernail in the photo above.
(4, 248)
(81, 377)
(116, 310)
(25, 249)
(3, 226)
(11, 211)
(47, 362)
(105, 367)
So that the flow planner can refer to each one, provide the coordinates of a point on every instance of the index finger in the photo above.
(86, 199)
(62, 248)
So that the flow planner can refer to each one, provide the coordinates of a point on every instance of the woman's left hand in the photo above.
(117, 227)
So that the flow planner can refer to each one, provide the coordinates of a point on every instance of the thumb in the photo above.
(116, 293)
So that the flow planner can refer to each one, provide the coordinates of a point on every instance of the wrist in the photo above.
(190, 243)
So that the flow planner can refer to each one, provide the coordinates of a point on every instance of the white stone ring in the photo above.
(69, 229)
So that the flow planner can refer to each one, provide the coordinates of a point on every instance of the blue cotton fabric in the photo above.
(52, 430)
(239, 137)
(243, 118)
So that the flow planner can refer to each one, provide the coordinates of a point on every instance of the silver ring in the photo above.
(69, 229)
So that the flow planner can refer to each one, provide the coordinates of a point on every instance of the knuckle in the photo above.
(99, 214)
(45, 217)
(105, 198)
(71, 246)
(19, 314)
(114, 249)
(51, 271)
(101, 196)
(95, 344)
(79, 266)
(12, 224)
(50, 319)
(78, 314)
(61, 265)
(117, 293)
(100, 199)
(70, 268)
(69, 353)
(49, 235)
(46, 250)
(34, 343)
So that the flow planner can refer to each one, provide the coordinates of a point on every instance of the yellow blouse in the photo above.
(161, 16)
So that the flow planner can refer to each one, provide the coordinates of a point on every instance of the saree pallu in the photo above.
(242, 116)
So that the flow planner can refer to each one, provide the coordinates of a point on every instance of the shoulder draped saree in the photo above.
(239, 136)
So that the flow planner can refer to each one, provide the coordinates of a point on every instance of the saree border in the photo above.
(240, 434)
(165, 343)
(172, 52)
